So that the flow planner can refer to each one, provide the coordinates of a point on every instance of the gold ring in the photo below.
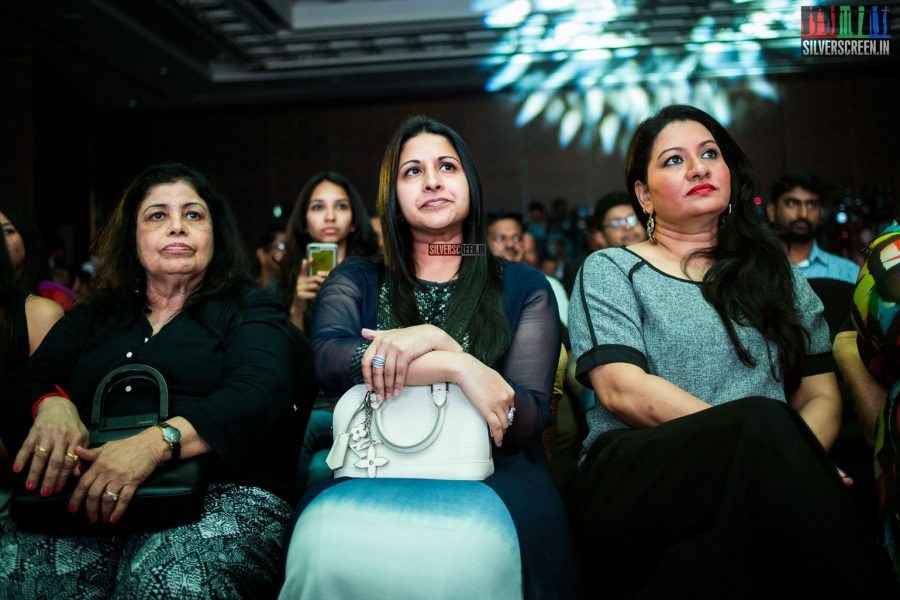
(39, 448)
(72, 455)
(114, 496)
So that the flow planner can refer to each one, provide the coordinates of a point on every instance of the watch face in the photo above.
(171, 434)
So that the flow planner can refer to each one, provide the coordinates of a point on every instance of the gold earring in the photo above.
(651, 227)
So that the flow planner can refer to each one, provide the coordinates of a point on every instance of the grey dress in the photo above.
(738, 500)
(664, 325)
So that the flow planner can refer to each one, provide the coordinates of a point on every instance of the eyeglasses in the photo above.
(280, 246)
(629, 221)
(502, 239)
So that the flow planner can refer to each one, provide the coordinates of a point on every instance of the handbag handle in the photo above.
(439, 392)
(138, 372)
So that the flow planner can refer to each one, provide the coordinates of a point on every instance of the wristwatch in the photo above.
(172, 437)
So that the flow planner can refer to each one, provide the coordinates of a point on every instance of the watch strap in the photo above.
(174, 445)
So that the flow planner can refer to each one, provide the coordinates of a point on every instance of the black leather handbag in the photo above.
(127, 401)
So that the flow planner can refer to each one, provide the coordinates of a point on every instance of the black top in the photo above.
(230, 374)
(18, 350)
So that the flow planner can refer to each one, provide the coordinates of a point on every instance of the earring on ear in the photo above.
(651, 226)
(726, 215)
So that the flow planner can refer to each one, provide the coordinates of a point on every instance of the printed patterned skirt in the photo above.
(233, 551)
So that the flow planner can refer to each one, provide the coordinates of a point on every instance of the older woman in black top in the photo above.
(173, 292)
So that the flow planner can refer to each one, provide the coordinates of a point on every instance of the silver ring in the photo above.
(377, 362)
(113, 496)
(510, 415)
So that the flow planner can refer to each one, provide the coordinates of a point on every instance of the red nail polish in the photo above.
(17, 468)
(45, 491)
(72, 509)
(114, 520)
(92, 520)
(29, 486)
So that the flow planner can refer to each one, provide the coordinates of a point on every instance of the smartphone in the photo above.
(322, 257)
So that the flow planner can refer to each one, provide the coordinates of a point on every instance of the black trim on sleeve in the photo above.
(584, 306)
(819, 363)
(605, 354)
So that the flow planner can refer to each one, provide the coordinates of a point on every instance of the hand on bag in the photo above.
(50, 446)
(118, 468)
(398, 348)
(488, 392)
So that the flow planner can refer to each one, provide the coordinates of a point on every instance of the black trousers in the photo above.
(739, 500)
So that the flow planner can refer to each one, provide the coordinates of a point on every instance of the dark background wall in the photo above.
(68, 159)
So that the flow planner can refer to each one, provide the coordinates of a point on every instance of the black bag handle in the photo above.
(136, 372)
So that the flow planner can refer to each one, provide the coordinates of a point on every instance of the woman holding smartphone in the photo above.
(328, 211)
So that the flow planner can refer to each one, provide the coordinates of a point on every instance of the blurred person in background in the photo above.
(328, 210)
(796, 212)
(506, 239)
(270, 247)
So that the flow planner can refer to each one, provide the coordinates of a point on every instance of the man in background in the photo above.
(614, 223)
(795, 211)
(269, 252)
(505, 238)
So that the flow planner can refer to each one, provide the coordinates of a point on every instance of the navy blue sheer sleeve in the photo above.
(529, 365)
(345, 304)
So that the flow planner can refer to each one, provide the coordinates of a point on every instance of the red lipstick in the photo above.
(703, 188)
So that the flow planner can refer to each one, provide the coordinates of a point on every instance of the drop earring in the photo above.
(651, 227)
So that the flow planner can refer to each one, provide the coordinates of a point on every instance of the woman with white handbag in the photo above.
(438, 310)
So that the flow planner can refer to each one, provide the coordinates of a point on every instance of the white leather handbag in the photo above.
(427, 432)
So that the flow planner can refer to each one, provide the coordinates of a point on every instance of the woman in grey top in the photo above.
(705, 472)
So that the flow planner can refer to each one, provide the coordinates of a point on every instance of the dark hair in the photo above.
(34, 255)
(267, 236)
(9, 295)
(497, 215)
(606, 202)
(802, 179)
(535, 205)
(119, 284)
(750, 281)
(360, 242)
(479, 286)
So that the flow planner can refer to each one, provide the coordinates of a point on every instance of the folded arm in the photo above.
(639, 399)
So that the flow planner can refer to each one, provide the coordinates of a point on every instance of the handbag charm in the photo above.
(363, 443)
(359, 438)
